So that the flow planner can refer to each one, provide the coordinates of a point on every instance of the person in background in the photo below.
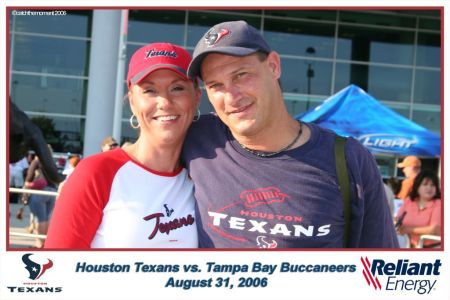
(40, 205)
(394, 184)
(421, 211)
(24, 198)
(16, 177)
(109, 143)
(73, 162)
(411, 167)
(390, 198)
(138, 196)
(263, 179)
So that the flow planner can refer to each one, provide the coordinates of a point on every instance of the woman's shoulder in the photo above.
(103, 161)
(437, 202)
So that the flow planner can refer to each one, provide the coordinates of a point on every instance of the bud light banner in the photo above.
(353, 112)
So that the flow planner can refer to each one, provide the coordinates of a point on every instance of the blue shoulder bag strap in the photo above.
(344, 183)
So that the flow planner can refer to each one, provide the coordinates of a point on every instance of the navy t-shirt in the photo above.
(290, 200)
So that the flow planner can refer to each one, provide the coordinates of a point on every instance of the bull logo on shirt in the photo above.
(267, 195)
(169, 212)
(262, 243)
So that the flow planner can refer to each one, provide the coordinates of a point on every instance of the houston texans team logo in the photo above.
(169, 212)
(36, 270)
(211, 38)
(262, 243)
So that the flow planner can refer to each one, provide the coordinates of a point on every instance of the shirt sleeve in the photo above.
(436, 213)
(372, 224)
(79, 209)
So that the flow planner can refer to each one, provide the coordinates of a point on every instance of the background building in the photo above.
(63, 68)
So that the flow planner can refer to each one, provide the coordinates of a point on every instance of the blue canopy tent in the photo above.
(353, 112)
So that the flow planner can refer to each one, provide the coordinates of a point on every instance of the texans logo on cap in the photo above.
(211, 38)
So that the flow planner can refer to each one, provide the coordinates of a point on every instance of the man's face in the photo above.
(243, 90)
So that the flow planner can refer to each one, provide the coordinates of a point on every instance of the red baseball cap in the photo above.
(156, 56)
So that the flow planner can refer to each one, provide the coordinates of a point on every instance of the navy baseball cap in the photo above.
(235, 38)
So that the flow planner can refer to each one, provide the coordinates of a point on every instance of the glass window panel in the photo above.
(128, 134)
(296, 107)
(393, 84)
(205, 105)
(200, 22)
(149, 26)
(427, 87)
(297, 104)
(386, 165)
(384, 83)
(431, 120)
(130, 51)
(374, 18)
(49, 94)
(429, 50)
(375, 45)
(50, 55)
(74, 23)
(327, 15)
(294, 37)
(243, 11)
(402, 111)
(433, 24)
(63, 134)
(295, 78)
(342, 78)
(428, 12)
(126, 110)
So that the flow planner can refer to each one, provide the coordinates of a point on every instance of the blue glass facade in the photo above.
(394, 55)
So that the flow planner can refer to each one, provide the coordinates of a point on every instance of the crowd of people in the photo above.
(262, 179)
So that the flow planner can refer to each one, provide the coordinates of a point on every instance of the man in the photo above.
(263, 179)
(109, 143)
(411, 167)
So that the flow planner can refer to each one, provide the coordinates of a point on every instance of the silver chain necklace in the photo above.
(269, 154)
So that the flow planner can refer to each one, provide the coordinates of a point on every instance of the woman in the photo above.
(421, 212)
(138, 196)
(41, 206)
(73, 162)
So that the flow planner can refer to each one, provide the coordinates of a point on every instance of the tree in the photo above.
(51, 135)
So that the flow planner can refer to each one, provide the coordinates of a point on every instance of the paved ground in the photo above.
(20, 226)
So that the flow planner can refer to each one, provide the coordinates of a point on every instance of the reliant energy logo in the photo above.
(36, 268)
(401, 275)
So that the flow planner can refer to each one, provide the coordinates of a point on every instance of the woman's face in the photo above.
(427, 189)
(164, 103)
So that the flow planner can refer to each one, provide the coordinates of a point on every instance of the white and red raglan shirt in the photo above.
(112, 201)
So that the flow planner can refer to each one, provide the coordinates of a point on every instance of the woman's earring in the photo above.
(134, 124)
(197, 116)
